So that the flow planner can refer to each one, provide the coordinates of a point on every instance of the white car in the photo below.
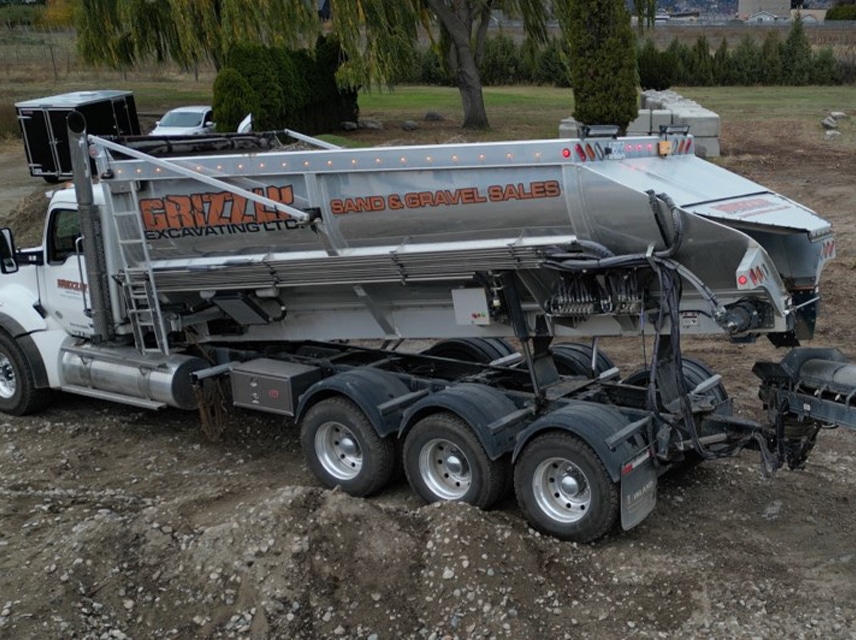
(185, 121)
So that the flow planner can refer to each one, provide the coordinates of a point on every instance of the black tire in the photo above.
(342, 448)
(478, 350)
(444, 461)
(564, 490)
(18, 393)
(694, 373)
(574, 359)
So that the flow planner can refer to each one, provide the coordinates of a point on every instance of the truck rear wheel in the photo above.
(443, 460)
(18, 393)
(564, 490)
(343, 449)
(480, 350)
(694, 372)
(574, 359)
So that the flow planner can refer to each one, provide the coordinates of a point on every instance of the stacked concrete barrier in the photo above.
(665, 108)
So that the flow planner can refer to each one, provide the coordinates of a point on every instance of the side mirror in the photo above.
(8, 263)
(246, 124)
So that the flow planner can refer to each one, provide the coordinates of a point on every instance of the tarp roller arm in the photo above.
(301, 216)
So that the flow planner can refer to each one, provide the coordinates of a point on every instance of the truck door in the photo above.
(64, 289)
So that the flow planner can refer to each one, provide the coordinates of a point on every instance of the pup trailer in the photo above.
(178, 273)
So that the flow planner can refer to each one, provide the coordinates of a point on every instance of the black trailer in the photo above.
(43, 126)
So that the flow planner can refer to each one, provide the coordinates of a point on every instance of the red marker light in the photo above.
(566, 153)
(742, 280)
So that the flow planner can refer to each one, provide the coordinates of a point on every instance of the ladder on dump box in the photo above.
(138, 283)
(138, 279)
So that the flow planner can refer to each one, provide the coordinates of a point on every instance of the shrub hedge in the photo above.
(286, 89)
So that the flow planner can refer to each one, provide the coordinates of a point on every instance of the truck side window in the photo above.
(64, 232)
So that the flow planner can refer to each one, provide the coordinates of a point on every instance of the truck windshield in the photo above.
(181, 119)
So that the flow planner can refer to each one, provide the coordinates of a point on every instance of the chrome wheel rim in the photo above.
(561, 490)
(8, 380)
(445, 469)
(338, 451)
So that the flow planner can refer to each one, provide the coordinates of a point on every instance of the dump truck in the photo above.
(193, 273)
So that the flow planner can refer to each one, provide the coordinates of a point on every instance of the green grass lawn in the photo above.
(513, 112)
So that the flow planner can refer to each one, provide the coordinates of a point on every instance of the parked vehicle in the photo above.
(185, 121)
(255, 273)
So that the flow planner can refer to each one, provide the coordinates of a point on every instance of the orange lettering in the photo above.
(154, 216)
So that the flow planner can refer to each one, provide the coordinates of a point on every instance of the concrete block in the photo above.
(660, 117)
(642, 124)
(568, 128)
(703, 123)
(706, 147)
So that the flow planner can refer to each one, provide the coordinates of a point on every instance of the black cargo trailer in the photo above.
(42, 121)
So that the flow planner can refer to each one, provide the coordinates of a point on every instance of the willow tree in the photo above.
(122, 33)
(377, 36)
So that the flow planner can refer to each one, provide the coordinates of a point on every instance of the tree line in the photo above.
(598, 53)
(790, 62)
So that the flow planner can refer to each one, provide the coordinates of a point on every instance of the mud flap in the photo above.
(638, 488)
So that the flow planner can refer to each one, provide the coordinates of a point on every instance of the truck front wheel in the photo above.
(18, 393)
(342, 448)
(443, 460)
(563, 489)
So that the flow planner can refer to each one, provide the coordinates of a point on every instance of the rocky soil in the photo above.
(119, 523)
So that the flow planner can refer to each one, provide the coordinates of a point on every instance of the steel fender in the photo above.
(28, 346)
(478, 405)
(17, 314)
(593, 423)
(367, 388)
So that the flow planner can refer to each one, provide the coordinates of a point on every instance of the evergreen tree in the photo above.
(681, 56)
(656, 69)
(701, 64)
(723, 72)
(771, 59)
(825, 68)
(602, 60)
(296, 93)
(233, 99)
(551, 66)
(255, 63)
(746, 62)
(796, 56)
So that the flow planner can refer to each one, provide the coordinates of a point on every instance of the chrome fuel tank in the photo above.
(126, 372)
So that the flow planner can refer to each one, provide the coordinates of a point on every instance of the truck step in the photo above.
(113, 397)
